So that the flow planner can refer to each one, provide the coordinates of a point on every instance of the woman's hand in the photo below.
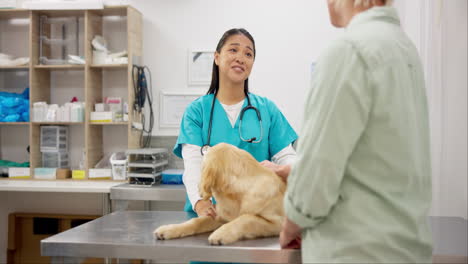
(280, 170)
(290, 236)
(205, 208)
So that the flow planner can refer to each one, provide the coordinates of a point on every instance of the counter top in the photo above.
(69, 186)
(129, 235)
(163, 192)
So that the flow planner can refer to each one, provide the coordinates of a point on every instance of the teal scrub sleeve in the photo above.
(190, 128)
(281, 133)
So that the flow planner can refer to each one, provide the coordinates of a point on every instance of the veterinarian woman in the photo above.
(360, 190)
(230, 113)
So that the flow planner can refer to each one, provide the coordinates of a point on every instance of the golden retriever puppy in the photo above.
(249, 199)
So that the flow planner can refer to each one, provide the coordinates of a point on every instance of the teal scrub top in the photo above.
(277, 132)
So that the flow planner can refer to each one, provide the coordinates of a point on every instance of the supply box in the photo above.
(51, 173)
(99, 173)
(19, 172)
(172, 176)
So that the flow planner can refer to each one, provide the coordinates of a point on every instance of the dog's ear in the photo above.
(208, 178)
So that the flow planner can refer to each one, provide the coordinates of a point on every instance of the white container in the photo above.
(18, 172)
(55, 160)
(99, 173)
(51, 115)
(119, 167)
(101, 117)
(77, 112)
(100, 107)
(99, 57)
(66, 114)
(39, 111)
(54, 138)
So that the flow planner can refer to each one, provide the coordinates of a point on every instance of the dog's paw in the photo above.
(221, 237)
(169, 232)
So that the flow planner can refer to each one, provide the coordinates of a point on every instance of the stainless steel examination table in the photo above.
(129, 235)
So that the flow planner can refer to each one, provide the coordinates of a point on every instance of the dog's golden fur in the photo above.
(249, 199)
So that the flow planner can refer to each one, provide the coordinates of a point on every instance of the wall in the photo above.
(287, 44)
(289, 36)
(453, 176)
(439, 30)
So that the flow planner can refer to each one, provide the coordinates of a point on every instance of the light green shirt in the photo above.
(361, 188)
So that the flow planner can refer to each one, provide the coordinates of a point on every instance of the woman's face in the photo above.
(236, 59)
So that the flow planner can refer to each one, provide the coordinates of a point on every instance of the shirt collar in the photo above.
(378, 13)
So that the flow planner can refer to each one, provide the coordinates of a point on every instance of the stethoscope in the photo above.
(204, 148)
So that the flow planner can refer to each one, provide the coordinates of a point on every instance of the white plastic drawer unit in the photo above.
(55, 160)
(144, 166)
(54, 138)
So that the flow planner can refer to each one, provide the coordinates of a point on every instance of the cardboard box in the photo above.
(100, 173)
(26, 230)
(19, 172)
(63, 174)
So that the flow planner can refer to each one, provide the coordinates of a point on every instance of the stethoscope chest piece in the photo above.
(204, 149)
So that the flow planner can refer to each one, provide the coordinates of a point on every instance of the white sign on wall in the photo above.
(200, 66)
(172, 107)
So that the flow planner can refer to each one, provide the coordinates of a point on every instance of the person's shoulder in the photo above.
(377, 40)
(197, 104)
(200, 101)
(259, 99)
(263, 101)
(337, 50)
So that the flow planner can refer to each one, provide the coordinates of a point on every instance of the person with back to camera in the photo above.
(360, 190)
(229, 113)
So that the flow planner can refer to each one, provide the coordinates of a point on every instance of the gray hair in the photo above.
(363, 3)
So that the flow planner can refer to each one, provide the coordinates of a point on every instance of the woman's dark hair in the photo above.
(214, 86)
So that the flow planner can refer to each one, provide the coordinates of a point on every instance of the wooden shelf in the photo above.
(59, 67)
(57, 123)
(114, 11)
(61, 12)
(13, 13)
(43, 79)
(25, 67)
(13, 10)
(108, 123)
(109, 66)
(13, 123)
